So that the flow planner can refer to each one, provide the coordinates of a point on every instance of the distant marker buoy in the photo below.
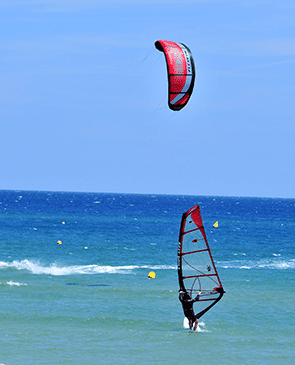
(151, 275)
(59, 242)
(215, 225)
(63, 222)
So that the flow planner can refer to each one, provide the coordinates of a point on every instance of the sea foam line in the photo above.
(54, 269)
(15, 283)
(261, 264)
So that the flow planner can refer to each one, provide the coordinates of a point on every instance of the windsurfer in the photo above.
(187, 305)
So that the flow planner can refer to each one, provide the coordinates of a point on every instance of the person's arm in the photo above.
(197, 297)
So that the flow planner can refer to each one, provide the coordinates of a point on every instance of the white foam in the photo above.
(201, 327)
(276, 263)
(15, 283)
(158, 267)
(35, 267)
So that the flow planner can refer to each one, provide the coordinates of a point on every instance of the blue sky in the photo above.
(83, 97)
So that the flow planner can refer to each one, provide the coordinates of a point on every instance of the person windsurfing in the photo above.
(187, 305)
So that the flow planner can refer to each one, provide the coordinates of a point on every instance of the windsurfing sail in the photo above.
(181, 72)
(196, 268)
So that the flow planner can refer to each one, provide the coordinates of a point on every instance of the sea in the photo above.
(88, 300)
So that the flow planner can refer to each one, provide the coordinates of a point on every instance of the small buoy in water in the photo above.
(59, 242)
(63, 222)
(215, 225)
(151, 275)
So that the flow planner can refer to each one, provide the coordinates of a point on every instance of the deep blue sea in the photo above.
(89, 300)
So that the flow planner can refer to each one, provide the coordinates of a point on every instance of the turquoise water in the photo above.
(89, 301)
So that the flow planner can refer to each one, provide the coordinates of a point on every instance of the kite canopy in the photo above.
(181, 72)
(196, 268)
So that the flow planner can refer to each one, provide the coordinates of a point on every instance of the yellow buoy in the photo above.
(152, 275)
(59, 242)
(215, 225)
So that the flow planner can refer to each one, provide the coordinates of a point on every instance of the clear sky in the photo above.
(83, 97)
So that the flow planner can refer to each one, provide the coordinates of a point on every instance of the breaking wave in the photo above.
(37, 268)
(55, 269)
(278, 264)
(14, 283)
